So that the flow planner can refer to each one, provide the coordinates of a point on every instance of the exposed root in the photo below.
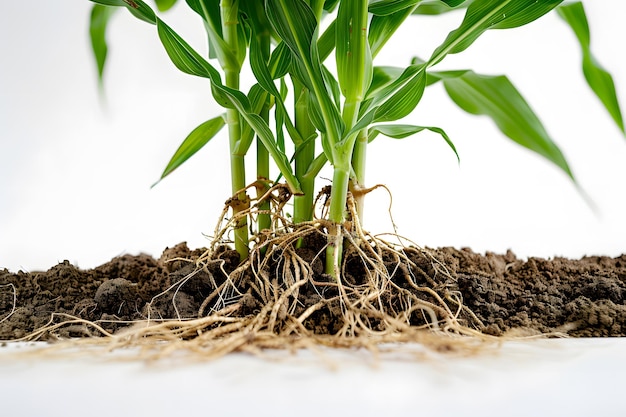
(279, 298)
(14, 304)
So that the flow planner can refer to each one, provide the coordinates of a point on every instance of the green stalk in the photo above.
(359, 159)
(230, 20)
(336, 215)
(354, 67)
(262, 155)
(303, 204)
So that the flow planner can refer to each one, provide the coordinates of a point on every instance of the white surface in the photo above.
(582, 377)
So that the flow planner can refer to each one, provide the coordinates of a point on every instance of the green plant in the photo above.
(343, 111)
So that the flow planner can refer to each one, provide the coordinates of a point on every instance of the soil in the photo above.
(583, 297)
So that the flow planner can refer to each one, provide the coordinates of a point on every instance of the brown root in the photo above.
(280, 297)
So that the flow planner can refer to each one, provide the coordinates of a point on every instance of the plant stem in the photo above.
(354, 69)
(230, 20)
(336, 216)
(303, 204)
(262, 155)
(359, 159)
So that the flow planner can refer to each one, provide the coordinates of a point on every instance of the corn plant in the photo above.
(341, 112)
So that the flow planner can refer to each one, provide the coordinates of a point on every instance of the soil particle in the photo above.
(583, 297)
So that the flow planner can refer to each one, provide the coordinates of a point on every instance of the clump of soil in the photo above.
(500, 293)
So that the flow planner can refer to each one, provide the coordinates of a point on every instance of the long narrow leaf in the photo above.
(99, 21)
(188, 60)
(436, 7)
(404, 131)
(404, 101)
(295, 23)
(600, 81)
(137, 8)
(487, 14)
(497, 98)
(198, 137)
(382, 27)
(387, 7)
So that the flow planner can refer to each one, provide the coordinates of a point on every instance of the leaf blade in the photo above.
(198, 137)
(599, 80)
(402, 131)
(487, 14)
(98, 23)
(497, 98)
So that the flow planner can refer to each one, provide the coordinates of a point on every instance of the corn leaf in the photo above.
(353, 55)
(382, 27)
(209, 10)
(265, 73)
(218, 48)
(436, 7)
(497, 98)
(280, 61)
(387, 7)
(482, 15)
(397, 131)
(198, 137)
(296, 25)
(404, 100)
(257, 98)
(98, 24)
(326, 42)
(120, 3)
(600, 81)
(186, 59)
(382, 77)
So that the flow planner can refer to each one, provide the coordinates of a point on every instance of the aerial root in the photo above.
(279, 298)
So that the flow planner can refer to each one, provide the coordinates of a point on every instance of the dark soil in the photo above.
(582, 297)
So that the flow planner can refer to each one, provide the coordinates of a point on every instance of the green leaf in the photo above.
(436, 7)
(99, 21)
(332, 85)
(260, 68)
(164, 5)
(120, 3)
(403, 101)
(184, 56)
(198, 137)
(352, 50)
(257, 97)
(137, 8)
(188, 60)
(482, 15)
(280, 61)
(404, 131)
(382, 77)
(387, 7)
(497, 97)
(296, 25)
(210, 12)
(326, 42)
(600, 81)
(382, 27)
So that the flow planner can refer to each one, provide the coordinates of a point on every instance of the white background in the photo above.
(76, 169)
